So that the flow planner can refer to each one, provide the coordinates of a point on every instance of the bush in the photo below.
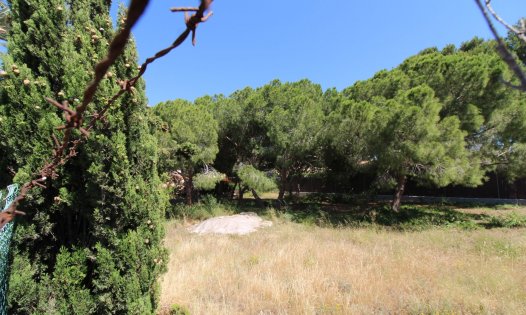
(255, 179)
(207, 208)
(179, 310)
(207, 181)
(512, 220)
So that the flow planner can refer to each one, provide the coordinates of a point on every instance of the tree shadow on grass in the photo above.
(418, 217)
(409, 218)
(327, 213)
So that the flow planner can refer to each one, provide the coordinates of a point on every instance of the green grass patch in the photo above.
(511, 220)
(324, 211)
(207, 208)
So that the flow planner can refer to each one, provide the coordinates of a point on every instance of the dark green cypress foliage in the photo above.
(91, 242)
(128, 266)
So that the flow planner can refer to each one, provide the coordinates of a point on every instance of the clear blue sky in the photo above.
(331, 42)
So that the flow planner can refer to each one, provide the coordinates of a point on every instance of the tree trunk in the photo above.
(397, 198)
(232, 195)
(189, 187)
(255, 194)
(241, 192)
(259, 202)
(282, 184)
(281, 192)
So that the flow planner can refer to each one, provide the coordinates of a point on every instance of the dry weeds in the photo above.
(295, 269)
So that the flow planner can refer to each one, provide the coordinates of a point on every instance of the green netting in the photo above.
(6, 233)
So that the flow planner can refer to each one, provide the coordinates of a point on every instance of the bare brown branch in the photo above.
(184, 9)
(520, 33)
(502, 49)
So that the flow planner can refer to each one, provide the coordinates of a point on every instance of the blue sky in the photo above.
(331, 42)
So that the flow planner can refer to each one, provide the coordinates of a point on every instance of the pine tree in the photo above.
(91, 241)
(294, 126)
(188, 140)
(416, 143)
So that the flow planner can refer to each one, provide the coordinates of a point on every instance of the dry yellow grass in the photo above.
(266, 195)
(495, 211)
(294, 269)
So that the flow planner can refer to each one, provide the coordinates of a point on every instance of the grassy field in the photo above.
(294, 268)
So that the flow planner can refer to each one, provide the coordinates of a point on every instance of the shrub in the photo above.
(179, 310)
(207, 208)
(208, 181)
(255, 179)
(512, 220)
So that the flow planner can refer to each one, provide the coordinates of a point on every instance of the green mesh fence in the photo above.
(6, 233)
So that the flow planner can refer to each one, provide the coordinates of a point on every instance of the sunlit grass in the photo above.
(272, 195)
(299, 269)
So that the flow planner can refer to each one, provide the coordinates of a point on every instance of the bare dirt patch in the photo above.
(239, 224)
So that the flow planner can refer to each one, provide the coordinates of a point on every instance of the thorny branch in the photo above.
(184, 9)
(75, 117)
(503, 50)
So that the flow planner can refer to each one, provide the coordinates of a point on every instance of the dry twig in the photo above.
(502, 48)
(521, 33)
(184, 9)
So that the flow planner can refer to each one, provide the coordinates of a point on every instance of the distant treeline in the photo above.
(494, 187)
(443, 118)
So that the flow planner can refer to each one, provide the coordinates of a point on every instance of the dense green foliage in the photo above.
(478, 121)
(243, 139)
(442, 117)
(294, 124)
(188, 141)
(255, 179)
(276, 127)
(416, 143)
(91, 242)
(208, 180)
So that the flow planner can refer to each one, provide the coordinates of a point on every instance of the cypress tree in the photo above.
(91, 241)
